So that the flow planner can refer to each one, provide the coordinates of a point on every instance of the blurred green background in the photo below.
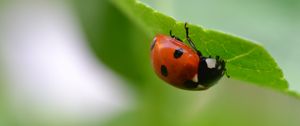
(86, 63)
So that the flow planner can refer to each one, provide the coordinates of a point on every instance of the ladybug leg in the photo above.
(199, 53)
(173, 36)
(226, 73)
(188, 37)
(190, 40)
(225, 70)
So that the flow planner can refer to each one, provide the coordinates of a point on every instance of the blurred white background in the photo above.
(49, 72)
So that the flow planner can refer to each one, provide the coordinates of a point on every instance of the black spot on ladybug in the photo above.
(189, 84)
(153, 43)
(164, 70)
(178, 53)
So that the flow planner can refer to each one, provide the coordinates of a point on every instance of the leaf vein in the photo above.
(241, 55)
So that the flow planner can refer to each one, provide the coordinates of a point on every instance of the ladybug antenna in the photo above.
(188, 37)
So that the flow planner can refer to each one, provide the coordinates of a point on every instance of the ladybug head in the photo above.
(210, 70)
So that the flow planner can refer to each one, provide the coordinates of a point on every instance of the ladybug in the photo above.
(184, 66)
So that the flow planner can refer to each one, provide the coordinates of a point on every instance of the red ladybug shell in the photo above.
(174, 61)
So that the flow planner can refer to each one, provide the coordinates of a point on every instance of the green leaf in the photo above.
(115, 44)
(246, 60)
